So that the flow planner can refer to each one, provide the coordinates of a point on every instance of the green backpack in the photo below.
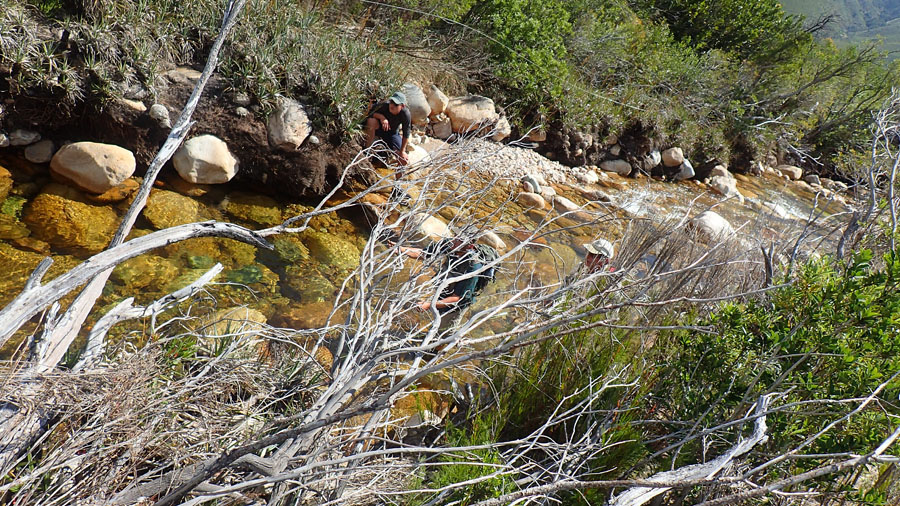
(484, 255)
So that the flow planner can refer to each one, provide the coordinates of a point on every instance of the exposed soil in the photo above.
(310, 171)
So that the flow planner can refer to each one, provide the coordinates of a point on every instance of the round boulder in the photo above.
(620, 167)
(40, 152)
(437, 100)
(205, 160)
(470, 112)
(672, 157)
(288, 125)
(711, 226)
(791, 171)
(528, 199)
(419, 109)
(93, 166)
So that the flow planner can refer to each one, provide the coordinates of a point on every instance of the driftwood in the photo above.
(637, 496)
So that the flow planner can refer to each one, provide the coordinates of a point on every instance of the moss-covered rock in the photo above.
(6, 184)
(168, 209)
(332, 250)
(309, 286)
(61, 216)
(11, 228)
(145, 272)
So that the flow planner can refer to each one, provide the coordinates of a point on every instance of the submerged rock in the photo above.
(332, 250)
(61, 217)
(168, 209)
(145, 272)
(252, 208)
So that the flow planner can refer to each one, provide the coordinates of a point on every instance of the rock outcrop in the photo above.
(471, 112)
(288, 125)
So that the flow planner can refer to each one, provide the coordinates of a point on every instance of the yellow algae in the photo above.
(254, 209)
(168, 209)
(61, 217)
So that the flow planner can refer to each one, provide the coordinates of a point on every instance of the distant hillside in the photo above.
(856, 21)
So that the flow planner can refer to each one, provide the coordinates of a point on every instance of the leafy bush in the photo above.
(823, 341)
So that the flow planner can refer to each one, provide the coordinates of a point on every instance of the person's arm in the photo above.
(444, 303)
(407, 250)
(401, 155)
(382, 119)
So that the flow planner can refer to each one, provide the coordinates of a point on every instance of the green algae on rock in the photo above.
(332, 250)
(309, 285)
(62, 217)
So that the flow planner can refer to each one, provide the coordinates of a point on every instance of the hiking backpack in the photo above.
(485, 255)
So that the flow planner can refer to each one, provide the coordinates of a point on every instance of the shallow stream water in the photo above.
(295, 285)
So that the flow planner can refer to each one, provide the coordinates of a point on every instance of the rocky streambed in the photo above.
(295, 285)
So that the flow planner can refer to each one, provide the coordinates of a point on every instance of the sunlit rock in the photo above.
(528, 199)
(288, 125)
(620, 167)
(61, 217)
(791, 171)
(564, 205)
(206, 160)
(493, 240)
(686, 171)
(419, 108)
(711, 226)
(239, 327)
(253, 208)
(11, 228)
(437, 100)
(502, 129)
(93, 166)
(672, 157)
(471, 112)
(168, 209)
(719, 170)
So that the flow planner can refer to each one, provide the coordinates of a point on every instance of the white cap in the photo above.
(600, 247)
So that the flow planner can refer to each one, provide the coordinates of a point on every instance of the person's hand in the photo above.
(403, 158)
(423, 306)
(385, 125)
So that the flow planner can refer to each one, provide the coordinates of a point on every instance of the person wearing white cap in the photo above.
(599, 253)
(386, 120)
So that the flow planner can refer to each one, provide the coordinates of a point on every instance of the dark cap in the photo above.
(398, 98)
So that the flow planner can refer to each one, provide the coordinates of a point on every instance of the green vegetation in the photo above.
(723, 79)
(821, 345)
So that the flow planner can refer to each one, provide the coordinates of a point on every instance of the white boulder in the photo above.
(470, 112)
(437, 100)
(791, 171)
(564, 205)
(652, 159)
(419, 109)
(493, 240)
(205, 160)
(672, 157)
(686, 171)
(711, 226)
(93, 166)
(726, 186)
(719, 170)
(288, 125)
(620, 167)
(160, 114)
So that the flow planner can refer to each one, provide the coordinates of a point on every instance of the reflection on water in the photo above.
(295, 284)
